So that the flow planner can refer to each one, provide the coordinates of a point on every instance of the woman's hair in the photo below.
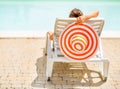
(76, 13)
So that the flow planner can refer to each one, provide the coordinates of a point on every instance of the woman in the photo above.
(77, 13)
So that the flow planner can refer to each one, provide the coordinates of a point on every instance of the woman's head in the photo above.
(76, 13)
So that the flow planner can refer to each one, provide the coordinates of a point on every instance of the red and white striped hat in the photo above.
(78, 41)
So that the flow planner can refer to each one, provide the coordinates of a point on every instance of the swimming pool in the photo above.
(40, 16)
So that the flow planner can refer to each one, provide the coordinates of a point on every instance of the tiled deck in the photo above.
(22, 66)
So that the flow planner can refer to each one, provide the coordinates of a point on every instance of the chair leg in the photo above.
(104, 66)
(105, 69)
(49, 69)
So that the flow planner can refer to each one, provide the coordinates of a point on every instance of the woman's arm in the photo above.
(92, 14)
(82, 19)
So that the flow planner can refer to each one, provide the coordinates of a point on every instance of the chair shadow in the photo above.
(66, 74)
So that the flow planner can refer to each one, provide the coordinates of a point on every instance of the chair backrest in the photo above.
(61, 23)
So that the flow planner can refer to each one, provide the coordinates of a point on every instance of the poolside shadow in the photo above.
(66, 74)
(75, 74)
(40, 80)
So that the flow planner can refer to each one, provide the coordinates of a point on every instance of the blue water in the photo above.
(39, 16)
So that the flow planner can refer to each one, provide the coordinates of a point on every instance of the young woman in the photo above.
(81, 18)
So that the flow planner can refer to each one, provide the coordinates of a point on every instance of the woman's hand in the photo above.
(50, 34)
(81, 19)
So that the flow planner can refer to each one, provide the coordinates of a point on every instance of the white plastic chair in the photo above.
(55, 55)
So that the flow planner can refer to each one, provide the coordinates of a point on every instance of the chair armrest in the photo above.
(48, 48)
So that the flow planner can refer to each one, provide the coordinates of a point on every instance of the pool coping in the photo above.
(35, 34)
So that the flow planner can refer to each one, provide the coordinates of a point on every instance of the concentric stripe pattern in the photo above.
(78, 41)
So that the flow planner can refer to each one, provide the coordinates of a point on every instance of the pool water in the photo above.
(39, 16)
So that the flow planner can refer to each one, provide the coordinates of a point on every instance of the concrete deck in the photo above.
(22, 66)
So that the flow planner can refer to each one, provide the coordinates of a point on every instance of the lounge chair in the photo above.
(54, 53)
